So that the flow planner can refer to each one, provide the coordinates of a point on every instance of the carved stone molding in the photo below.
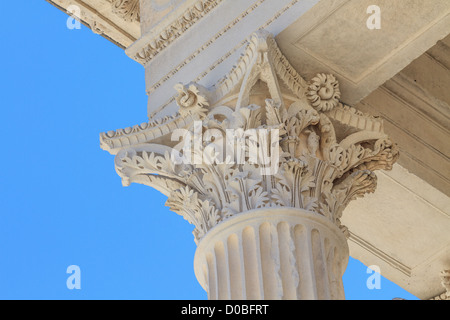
(445, 276)
(319, 153)
(99, 22)
(128, 10)
(149, 48)
(442, 296)
(445, 282)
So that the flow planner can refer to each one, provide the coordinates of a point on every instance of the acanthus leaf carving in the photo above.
(128, 10)
(190, 101)
(201, 213)
(319, 157)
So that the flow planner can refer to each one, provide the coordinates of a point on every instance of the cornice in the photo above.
(243, 44)
(150, 45)
(97, 21)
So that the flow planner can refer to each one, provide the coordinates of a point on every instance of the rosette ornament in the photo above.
(323, 92)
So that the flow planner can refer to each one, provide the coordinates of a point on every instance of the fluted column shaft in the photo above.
(275, 253)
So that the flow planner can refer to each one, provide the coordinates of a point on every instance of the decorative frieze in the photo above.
(174, 30)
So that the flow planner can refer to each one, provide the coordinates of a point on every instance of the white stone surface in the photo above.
(415, 106)
(278, 253)
(333, 37)
(404, 229)
(322, 155)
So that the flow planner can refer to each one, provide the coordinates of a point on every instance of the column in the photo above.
(273, 253)
(263, 164)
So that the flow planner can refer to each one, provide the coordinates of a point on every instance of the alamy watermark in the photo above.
(374, 281)
(74, 280)
(234, 146)
(73, 22)
(374, 20)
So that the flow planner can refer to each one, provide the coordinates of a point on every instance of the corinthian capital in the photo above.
(262, 137)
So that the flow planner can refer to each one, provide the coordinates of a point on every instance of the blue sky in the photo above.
(61, 202)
